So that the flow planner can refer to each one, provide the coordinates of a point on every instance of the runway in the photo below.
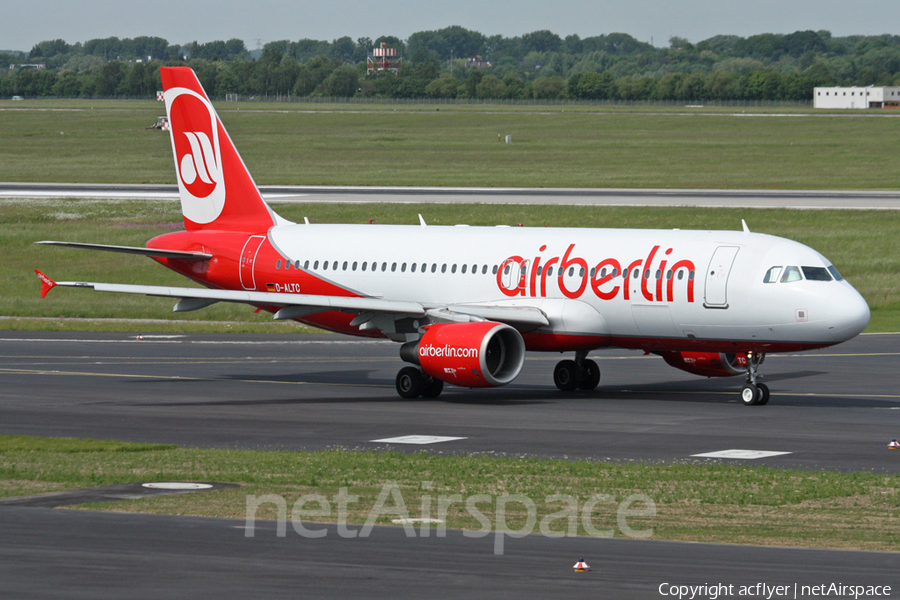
(96, 555)
(835, 408)
(796, 199)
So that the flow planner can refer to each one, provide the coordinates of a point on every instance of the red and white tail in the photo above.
(216, 189)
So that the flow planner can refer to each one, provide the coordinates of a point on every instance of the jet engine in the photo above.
(710, 364)
(480, 354)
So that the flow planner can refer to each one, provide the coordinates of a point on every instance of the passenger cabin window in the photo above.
(278, 264)
(791, 274)
(816, 274)
(772, 275)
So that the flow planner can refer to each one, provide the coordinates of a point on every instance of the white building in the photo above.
(856, 97)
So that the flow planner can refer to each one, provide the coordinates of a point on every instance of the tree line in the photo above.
(457, 63)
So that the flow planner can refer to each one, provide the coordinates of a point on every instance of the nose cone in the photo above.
(849, 314)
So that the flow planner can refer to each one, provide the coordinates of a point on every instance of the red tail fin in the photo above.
(217, 191)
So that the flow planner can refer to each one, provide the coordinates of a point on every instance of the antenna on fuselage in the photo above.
(422, 221)
(744, 224)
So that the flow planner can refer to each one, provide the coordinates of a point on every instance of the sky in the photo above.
(26, 23)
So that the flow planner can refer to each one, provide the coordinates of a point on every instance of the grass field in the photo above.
(846, 237)
(710, 503)
(457, 146)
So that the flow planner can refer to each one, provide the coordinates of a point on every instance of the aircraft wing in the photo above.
(300, 305)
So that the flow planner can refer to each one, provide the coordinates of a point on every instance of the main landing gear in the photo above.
(413, 382)
(754, 393)
(579, 374)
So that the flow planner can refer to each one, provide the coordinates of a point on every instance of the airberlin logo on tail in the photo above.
(200, 163)
(198, 157)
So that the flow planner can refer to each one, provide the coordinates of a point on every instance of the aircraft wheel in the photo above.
(433, 388)
(590, 375)
(750, 395)
(565, 375)
(763, 394)
(410, 382)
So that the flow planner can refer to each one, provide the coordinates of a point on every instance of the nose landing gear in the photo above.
(754, 393)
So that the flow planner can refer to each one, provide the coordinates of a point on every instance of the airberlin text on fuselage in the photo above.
(608, 279)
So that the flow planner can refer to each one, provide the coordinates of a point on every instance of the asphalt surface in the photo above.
(836, 408)
(48, 553)
(801, 199)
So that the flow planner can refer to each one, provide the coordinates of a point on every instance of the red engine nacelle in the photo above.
(709, 364)
(482, 354)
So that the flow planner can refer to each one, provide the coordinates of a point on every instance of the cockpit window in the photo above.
(791, 274)
(834, 272)
(816, 274)
(772, 275)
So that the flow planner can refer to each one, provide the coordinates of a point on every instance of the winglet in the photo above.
(47, 284)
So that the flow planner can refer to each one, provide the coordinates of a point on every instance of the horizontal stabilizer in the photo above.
(155, 252)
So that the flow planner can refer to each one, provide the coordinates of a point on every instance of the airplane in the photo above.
(467, 303)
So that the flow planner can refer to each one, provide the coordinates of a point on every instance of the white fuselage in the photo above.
(681, 286)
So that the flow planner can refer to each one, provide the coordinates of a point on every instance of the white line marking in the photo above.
(419, 439)
(411, 521)
(177, 485)
(740, 454)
